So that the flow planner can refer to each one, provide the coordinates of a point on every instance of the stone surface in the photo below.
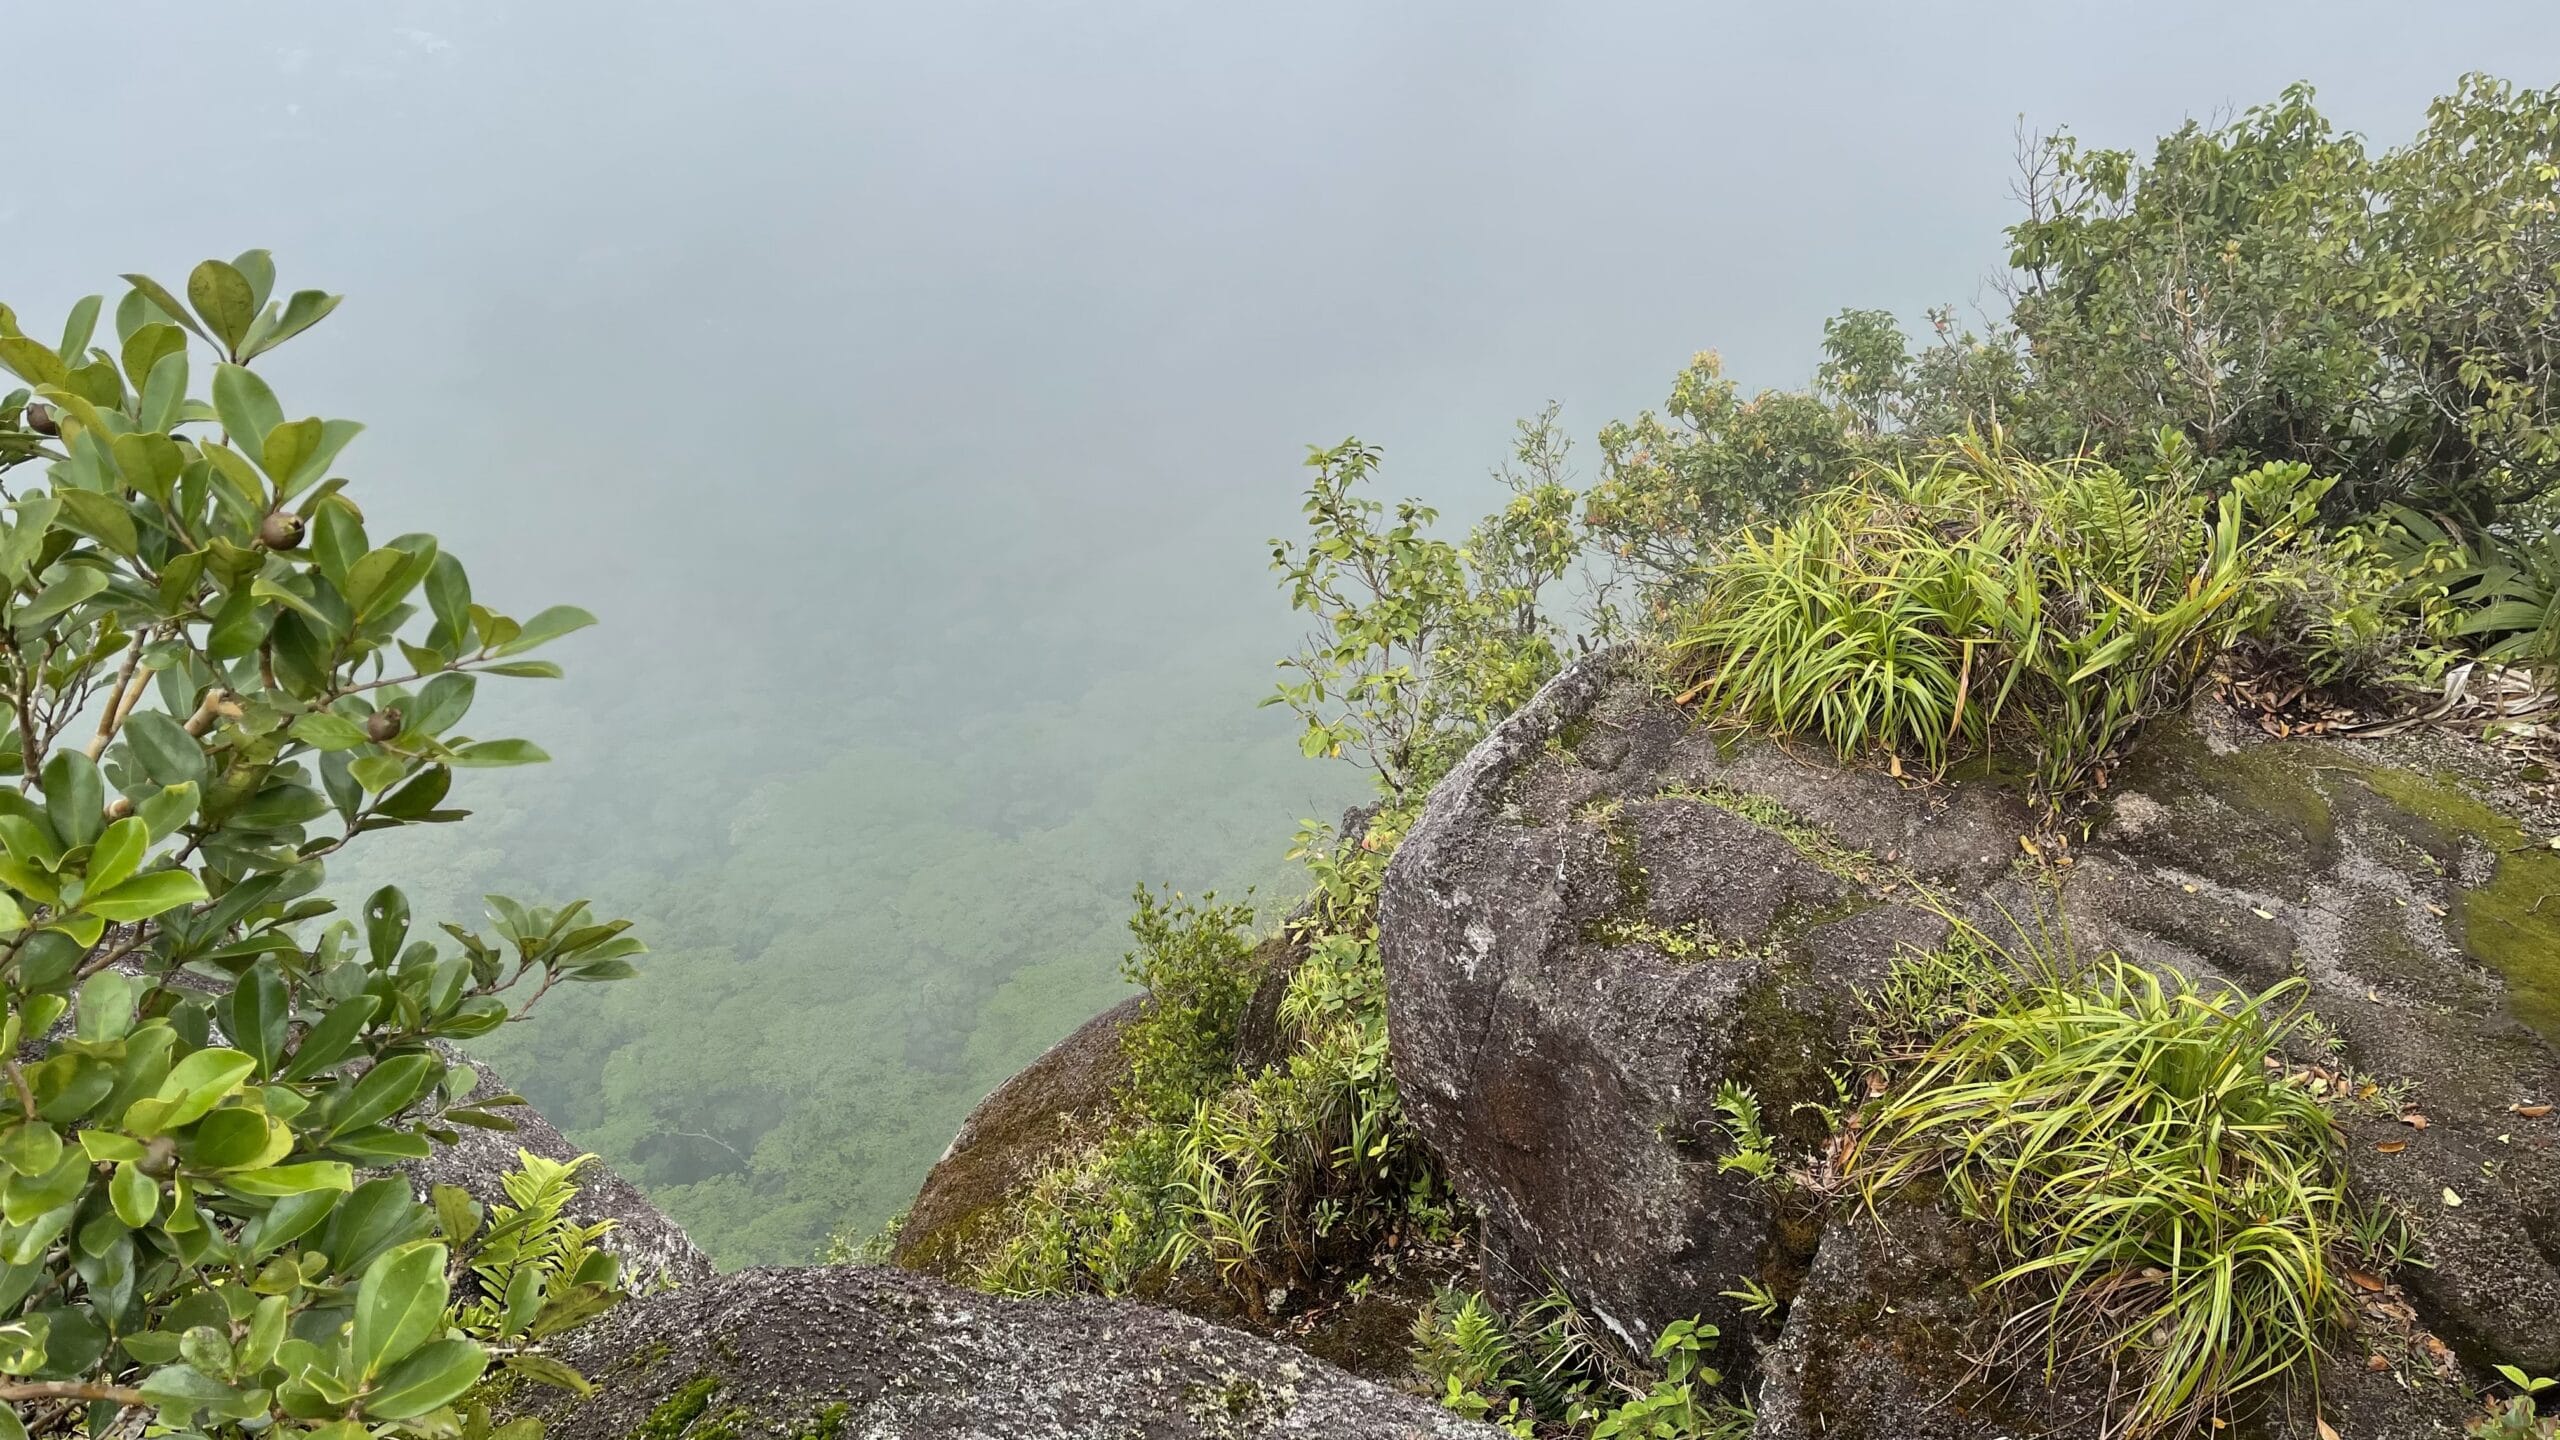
(1017, 1130)
(880, 1354)
(654, 1250)
(1606, 911)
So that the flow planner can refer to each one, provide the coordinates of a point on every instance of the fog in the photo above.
(912, 389)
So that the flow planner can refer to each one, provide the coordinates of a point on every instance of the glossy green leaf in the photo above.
(247, 407)
(146, 895)
(118, 852)
(399, 1306)
(135, 1196)
(437, 1374)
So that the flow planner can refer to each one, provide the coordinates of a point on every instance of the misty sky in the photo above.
(912, 388)
(873, 306)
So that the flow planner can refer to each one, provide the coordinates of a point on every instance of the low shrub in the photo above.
(1192, 961)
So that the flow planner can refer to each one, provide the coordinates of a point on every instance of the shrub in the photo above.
(1935, 611)
(1192, 961)
(216, 680)
(2174, 1202)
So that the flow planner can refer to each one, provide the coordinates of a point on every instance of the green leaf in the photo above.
(385, 1091)
(81, 324)
(136, 1196)
(546, 1370)
(151, 464)
(247, 407)
(457, 1214)
(75, 797)
(328, 1042)
(260, 1014)
(441, 702)
(31, 1148)
(102, 517)
(399, 1306)
(105, 1011)
(169, 755)
(236, 1138)
(200, 1082)
(258, 267)
(225, 300)
(526, 669)
(449, 596)
(118, 852)
(283, 1180)
(306, 309)
(33, 361)
(437, 1374)
(164, 395)
(165, 302)
(147, 347)
(144, 896)
(286, 448)
(486, 753)
(550, 625)
(78, 583)
(322, 730)
(174, 806)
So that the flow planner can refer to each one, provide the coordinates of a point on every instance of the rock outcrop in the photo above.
(1606, 912)
(1018, 1129)
(868, 1351)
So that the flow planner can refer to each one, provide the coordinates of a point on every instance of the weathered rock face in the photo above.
(1607, 911)
(847, 1351)
(654, 1250)
(859, 1352)
(1019, 1128)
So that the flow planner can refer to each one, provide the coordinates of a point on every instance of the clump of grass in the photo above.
(1987, 598)
(2173, 1202)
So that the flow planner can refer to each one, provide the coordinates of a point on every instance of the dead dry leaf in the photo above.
(2392, 1147)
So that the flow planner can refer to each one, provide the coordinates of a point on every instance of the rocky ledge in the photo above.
(1608, 911)
(862, 1351)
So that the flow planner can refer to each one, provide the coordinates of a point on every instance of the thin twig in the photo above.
(118, 706)
(13, 1390)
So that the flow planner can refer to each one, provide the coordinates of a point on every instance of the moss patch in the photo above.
(1810, 840)
(2512, 923)
(674, 1416)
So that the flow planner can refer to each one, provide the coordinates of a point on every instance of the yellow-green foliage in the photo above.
(2167, 1199)
(1254, 1172)
(1985, 598)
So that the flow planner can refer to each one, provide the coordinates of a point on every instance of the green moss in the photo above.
(674, 1416)
(1810, 840)
(2511, 923)
(828, 1424)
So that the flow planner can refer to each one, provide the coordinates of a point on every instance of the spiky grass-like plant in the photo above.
(2169, 1198)
(1932, 611)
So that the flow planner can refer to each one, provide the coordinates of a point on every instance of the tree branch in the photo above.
(13, 1390)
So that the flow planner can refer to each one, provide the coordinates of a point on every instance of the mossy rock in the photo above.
(1560, 1023)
